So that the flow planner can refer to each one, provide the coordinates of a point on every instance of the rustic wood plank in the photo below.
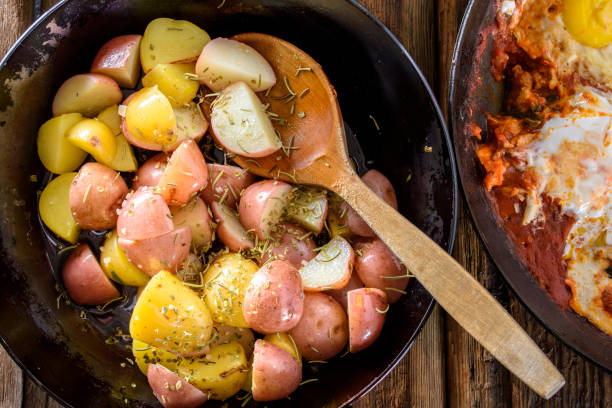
(34, 395)
(11, 386)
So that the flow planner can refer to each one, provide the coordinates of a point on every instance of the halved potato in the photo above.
(185, 174)
(190, 123)
(54, 208)
(288, 242)
(110, 117)
(86, 94)
(240, 123)
(149, 120)
(56, 153)
(94, 137)
(172, 82)
(229, 229)
(167, 41)
(340, 294)
(223, 62)
(336, 216)
(116, 264)
(262, 205)
(276, 373)
(285, 340)
(367, 311)
(172, 317)
(225, 184)
(150, 172)
(226, 334)
(195, 216)
(331, 268)
(173, 391)
(119, 58)
(308, 207)
(143, 215)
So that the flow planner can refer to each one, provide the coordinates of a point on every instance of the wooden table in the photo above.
(445, 366)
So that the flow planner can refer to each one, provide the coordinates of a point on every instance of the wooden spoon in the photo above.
(315, 153)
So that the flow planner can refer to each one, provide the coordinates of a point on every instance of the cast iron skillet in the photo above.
(373, 74)
(472, 93)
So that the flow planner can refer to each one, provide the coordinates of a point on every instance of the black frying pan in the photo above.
(373, 75)
(472, 93)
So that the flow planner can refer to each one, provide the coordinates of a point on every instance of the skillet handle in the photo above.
(470, 304)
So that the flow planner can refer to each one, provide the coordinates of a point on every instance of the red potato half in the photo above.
(379, 184)
(276, 373)
(340, 294)
(262, 205)
(323, 330)
(144, 215)
(185, 175)
(378, 267)
(274, 301)
(149, 174)
(173, 391)
(223, 62)
(164, 252)
(195, 216)
(240, 123)
(87, 94)
(229, 229)
(308, 208)
(367, 311)
(331, 268)
(85, 280)
(96, 193)
(227, 183)
(291, 243)
(119, 59)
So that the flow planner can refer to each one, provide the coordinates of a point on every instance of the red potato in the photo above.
(367, 311)
(226, 182)
(119, 59)
(308, 208)
(276, 373)
(144, 215)
(185, 175)
(291, 243)
(164, 252)
(85, 280)
(149, 174)
(378, 267)
(195, 216)
(96, 193)
(379, 184)
(87, 94)
(230, 231)
(173, 391)
(262, 205)
(331, 268)
(323, 330)
(340, 294)
(274, 300)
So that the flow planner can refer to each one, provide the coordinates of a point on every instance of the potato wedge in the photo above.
(185, 174)
(110, 117)
(190, 123)
(171, 317)
(288, 242)
(143, 215)
(223, 62)
(240, 124)
(84, 279)
(149, 120)
(367, 311)
(276, 373)
(340, 294)
(225, 334)
(56, 153)
(331, 268)
(124, 159)
(262, 204)
(150, 172)
(94, 137)
(195, 216)
(230, 231)
(167, 41)
(307, 207)
(119, 58)
(336, 217)
(225, 184)
(285, 340)
(172, 82)
(173, 391)
(87, 94)
(225, 285)
(116, 264)
(54, 208)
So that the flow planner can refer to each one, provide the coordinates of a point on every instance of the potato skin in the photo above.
(173, 391)
(276, 373)
(84, 279)
(274, 300)
(375, 262)
(144, 215)
(229, 230)
(195, 216)
(96, 193)
(261, 205)
(185, 175)
(223, 176)
(379, 184)
(340, 294)
(367, 309)
(289, 242)
(149, 174)
(323, 330)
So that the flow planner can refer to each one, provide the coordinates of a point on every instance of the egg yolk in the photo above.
(589, 21)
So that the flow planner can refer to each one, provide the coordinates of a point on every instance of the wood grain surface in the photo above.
(445, 367)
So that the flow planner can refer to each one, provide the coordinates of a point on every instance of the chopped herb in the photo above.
(396, 290)
(308, 381)
(302, 115)
(375, 123)
(382, 311)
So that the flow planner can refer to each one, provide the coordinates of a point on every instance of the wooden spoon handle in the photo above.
(455, 289)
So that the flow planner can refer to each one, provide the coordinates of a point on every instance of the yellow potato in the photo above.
(124, 159)
(95, 138)
(225, 283)
(167, 41)
(285, 341)
(54, 207)
(336, 217)
(116, 265)
(110, 117)
(56, 153)
(150, 118)
(145, 354)
(171, 81)
(171, 316)
(87, 94)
